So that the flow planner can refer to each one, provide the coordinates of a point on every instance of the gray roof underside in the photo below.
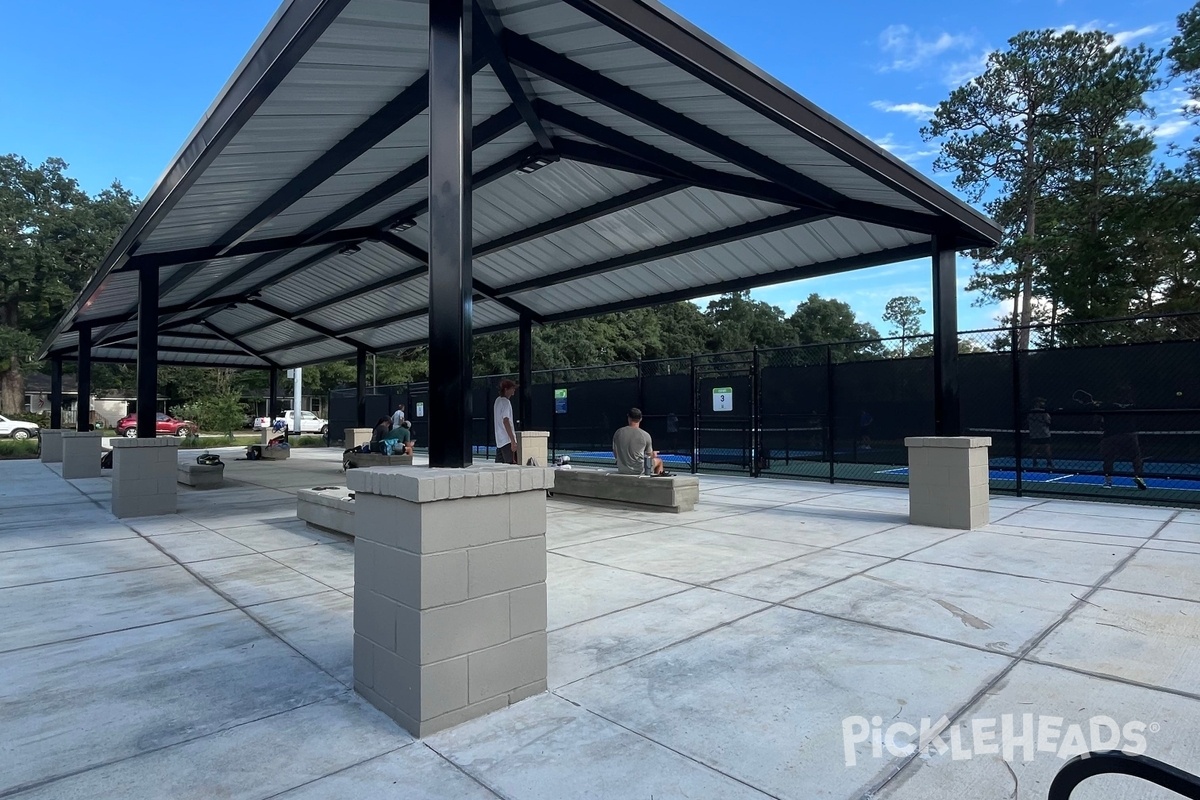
(744, 202)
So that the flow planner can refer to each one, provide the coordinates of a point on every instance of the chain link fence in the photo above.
(1095, 409)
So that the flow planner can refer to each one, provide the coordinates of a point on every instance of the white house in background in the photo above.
(105, 409)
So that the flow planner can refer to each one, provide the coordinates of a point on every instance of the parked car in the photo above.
(164, 424)
(17, 428)
(309, 423)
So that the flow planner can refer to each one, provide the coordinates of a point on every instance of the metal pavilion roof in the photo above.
(622, 158)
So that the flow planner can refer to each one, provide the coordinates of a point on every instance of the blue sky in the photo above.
(115, 88)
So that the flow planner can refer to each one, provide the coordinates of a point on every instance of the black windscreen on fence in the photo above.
(1098, 409)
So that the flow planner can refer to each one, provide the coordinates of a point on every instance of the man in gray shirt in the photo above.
(633, 449)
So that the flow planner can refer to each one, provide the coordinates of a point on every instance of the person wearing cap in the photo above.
(502, 416)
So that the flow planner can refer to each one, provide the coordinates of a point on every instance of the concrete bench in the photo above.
(329, 508)
(257, 451)
(201, 476)
(678, 493)
(361, 460)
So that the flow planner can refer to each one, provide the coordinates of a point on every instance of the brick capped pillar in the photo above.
(948, 481)
(449, 590)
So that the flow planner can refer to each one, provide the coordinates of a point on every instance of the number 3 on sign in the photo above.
(723, 398)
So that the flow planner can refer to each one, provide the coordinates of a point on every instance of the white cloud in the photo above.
(918, 111)
(1170, 128)
(1120, 38)
(909, 50)
(1125, 37)
(959, 72)
(908, 153)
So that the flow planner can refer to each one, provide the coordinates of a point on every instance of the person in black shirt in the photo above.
(381, 430)
(1119, 440)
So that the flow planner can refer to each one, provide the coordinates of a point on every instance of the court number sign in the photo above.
(723, 398)
(560, 401)
(420, 409)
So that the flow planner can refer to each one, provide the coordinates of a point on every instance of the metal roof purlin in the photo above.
(328, 333)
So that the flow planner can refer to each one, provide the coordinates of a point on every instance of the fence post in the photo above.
(695, 418)
(830, 413)
(756, 438)
(1016, 404)
(641, 392)
(553, 417)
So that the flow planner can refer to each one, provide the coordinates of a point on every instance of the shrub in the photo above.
(219, 413)
(18, 448)
(310, 441)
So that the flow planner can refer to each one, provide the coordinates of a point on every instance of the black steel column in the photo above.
(83, 406)
(147, 353)
(360, 388)
(946, 412)
(272, 394)
(450, 233)
(55, 392)
(525, 372)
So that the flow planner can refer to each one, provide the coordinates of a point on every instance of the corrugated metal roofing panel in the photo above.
(327, 350)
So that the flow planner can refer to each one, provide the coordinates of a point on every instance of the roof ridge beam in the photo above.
(236, 342)
(759, 227)
(558, 69)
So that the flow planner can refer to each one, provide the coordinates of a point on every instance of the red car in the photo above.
(165, 424)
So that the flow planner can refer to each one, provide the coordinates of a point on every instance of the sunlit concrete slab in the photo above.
(256, 759)
(578, 590)
(1148, 640)
(779, 582)
(686, 554)
(42, 613)
(75, 705)
(1074, 698)
(805, 673)
(1160, 572)
(218, 665)
(504, 753)
(1055, 560)
(588, 648)
(1118, 525)
(248, 580)
(321, 626)
(40, 565)
(200, 545)
(985, 609)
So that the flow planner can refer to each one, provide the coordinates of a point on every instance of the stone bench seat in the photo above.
(331, 508)
(201, 476)
(362, 460)
(678, 493)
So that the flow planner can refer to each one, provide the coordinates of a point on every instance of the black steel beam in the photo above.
(278, 244)
(488, 33)
(580, 216)
(147, 353)
(279, 348)
(129, 316)
(185, 349)
(559, 69)
(328, 333)
(261, 262)
(83, 377)
(525, 373)
(56, 392)
(751, 282)
(360, 387)
(789, 219)
(291, 35)
(395, 114)
(273, 392)
(608, 158)
(220, 334)
(450, 346)
(946, 410)
(665, 163)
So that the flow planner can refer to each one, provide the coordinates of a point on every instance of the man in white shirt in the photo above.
(502, 416)
(398, 416)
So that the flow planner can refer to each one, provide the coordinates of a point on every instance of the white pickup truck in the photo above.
(309, 422)
(17, 429)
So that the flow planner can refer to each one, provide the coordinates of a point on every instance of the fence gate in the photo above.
(725, 436)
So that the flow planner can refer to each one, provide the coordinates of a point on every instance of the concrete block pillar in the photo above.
(948, 481)
(533, 444)
(80, 454)
(449, 590)
(51, 445)
(357, 437)
(144, 477)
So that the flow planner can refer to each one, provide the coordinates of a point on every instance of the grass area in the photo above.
(208, 440)
(18, 448)
(309, 441)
